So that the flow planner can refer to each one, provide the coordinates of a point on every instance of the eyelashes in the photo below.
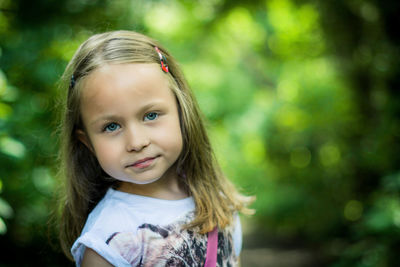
(151, 116)
(113, 126)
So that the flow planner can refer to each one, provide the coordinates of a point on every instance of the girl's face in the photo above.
(131, 121)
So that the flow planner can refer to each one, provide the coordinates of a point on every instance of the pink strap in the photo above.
(212, 248)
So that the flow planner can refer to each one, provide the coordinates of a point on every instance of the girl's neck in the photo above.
(167, 187)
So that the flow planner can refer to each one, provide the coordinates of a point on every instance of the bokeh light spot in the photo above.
(329, 155)
(3, 83)
(369, 12)
(5, 110)
(300, 157)
(353, 210)
(165, 19)
(396, 217)
(292, 117)
(287, 90)
(242, 28)
(42, 180)
(3, 227)
(12, 147)
(5, 209)
(254, 150)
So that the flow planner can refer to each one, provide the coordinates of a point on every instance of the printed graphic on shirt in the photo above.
(170, 245)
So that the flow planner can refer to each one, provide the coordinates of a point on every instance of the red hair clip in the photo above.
(163, 60)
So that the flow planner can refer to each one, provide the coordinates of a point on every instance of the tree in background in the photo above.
(301, 97)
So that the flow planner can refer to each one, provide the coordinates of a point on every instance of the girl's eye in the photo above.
(151, 116)
(111, 127)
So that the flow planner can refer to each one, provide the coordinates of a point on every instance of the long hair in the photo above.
(215, 197)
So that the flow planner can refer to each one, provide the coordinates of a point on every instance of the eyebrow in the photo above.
(105, 118)
(116, 117)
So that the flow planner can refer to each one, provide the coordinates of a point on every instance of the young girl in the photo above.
(142, 185)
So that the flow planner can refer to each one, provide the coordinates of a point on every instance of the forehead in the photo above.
(113, 77)
(122, 88)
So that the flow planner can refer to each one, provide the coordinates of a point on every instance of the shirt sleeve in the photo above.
(237, 236)
(89, 240)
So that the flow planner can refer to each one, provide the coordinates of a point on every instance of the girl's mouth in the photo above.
(143, 163)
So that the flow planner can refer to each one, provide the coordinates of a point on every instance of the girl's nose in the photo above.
(136, 139)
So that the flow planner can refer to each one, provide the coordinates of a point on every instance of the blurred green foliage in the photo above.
(301, 99)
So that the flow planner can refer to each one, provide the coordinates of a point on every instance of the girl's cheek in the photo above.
(103, 145)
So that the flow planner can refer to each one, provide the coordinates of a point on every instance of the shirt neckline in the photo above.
(137, 198)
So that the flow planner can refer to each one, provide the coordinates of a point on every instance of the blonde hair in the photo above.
(215, 197)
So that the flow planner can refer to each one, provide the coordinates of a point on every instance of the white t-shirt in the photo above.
(130, 230)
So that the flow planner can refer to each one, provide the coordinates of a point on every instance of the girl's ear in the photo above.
(82, 136)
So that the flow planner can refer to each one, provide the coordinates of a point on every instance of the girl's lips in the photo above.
(143, 163)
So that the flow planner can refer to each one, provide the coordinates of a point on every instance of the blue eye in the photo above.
(151, 116)
(111, 127)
